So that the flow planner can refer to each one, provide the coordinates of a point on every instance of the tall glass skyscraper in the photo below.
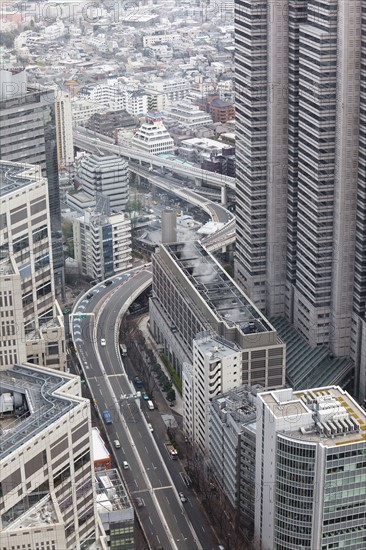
(28, 135)
(301, 167)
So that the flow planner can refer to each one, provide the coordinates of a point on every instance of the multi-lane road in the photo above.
(165, 519)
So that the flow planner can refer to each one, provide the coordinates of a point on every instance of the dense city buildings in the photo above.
(300, 144)
(48, 497)
(215, 338)
(310, 470)
(31, 316)
(28, 135)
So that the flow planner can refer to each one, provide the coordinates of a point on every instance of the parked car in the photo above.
(145, 396)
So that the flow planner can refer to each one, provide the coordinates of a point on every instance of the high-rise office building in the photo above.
(28, 135)
(31, 322)
(301, 157)
(47, 499)
(310, 470)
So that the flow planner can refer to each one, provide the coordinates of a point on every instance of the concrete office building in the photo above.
(107, 176)
(310, 470)
(115, 510)
(301, 156)
(102, 244)
(28, 135)
(47, 497)
(232, 446)
(209, 327)
(30, 313)
(152, 136)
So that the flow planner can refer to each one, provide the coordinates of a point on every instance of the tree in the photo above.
(170, 395)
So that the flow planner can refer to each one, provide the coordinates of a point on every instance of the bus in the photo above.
(123, 350)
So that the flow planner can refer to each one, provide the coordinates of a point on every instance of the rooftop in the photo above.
(217, 289)
(111, 494)
(14, 176)
(326, 415)
(99, 449)
(37, 405)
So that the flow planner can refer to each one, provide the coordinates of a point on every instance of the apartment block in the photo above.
(102, 244)
(48, 498)
(232, 446)
(310, 470)
(31, 313)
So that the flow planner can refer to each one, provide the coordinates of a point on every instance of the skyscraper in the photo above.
(28, 135)
(301, 154)
(310, 470)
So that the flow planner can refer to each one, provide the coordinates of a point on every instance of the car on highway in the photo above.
(90, 295)
(150, 427)
(145, 396)
(102, 342)
(107, 283)
(139, 502)
(107, 417)
(182, 497)
(117, 444)
(125, 465)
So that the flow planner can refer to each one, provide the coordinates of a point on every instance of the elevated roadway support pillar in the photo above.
(224, 195)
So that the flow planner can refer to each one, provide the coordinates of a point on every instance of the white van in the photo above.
(150, 405)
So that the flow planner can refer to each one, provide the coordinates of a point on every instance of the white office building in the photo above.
(26, 271)
(102, 244)
(83, 109)
(47, 498)
(310, 470)
(64, 137)
(152, 136)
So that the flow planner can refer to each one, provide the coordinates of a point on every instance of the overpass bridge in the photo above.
(97, 143)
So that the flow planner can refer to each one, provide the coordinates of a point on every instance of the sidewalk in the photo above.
(178, 407)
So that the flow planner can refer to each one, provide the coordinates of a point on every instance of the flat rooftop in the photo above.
(14, 176)
(37, 404)
(326, 415)
(217, 289)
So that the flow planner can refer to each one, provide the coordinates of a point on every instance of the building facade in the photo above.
(28, 135)
(102, 244)
(107, 176)
(26, 270)
(310, 470)
(152, 136)
(300, 143)
(48, 497)
(64, 138)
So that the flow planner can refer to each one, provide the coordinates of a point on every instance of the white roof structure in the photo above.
(99, 449)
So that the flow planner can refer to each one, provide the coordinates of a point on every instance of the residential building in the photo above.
(220, 110)
(300, 104)
(108, 123)
(31, 314)
(115, 510)
(64, 138)
(83, 109)
(187, 115)
(174, 89)
(232, 446)
(48, 497)
(107, 176)
(310, 470)
(213, 155)
(32, 109)
(152, 136)
(102, 244)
